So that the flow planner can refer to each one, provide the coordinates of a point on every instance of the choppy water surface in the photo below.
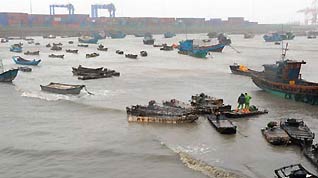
(49, 135)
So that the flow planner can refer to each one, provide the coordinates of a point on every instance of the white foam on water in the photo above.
(45, 96)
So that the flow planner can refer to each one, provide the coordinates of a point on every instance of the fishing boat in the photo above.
(7, 76)
(80, 70)
(204, 104)
(56, 48)
(75, 51)
(138, 35)
(48, 45)
(4, 40)
(119, 52)
(213, 48)
(284, 79)
(57, 44)
(312, 34)
(253, 111)
(311, 153)
(169, 35)
(298, 131)
(37, 44)
(21, 61)
(186, 47)
(275, 135)
(158, 45)
(25, 69)
(249, 35)
(222, 125)
(102, 48)
(94, 73)
(143, 53)
(92, 55)
(224, 39)
(148, 39)
(57, 56)
(117, 35)
(82, 45)
(166, 48)
(32, 53)
(131, 56)
(88, 39)
(293, 171)
(177, 104)
(62, 88)
(274, 37)
(70, 42)
(16, 48)
(153, 113)
(239, 69)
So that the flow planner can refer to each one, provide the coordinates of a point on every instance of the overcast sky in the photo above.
(263, 11)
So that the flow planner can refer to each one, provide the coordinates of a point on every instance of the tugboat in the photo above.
(298, 131)
(284, 79)
(154, 113)
(293, 171)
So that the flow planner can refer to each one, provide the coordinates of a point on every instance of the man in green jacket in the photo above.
(247, 101)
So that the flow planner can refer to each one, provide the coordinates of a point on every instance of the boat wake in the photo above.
(201, 166)
(45, 96)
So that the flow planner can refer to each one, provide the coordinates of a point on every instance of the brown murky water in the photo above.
(49, 135)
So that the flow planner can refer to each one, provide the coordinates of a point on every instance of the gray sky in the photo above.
(263, 11)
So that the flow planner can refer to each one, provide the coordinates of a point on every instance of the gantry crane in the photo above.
(69, 7)
(310, 13)
(110, 7)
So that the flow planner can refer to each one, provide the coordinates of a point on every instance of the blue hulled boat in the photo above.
(21, 61)
(9, 75)
(16, 48)
(117, 35)
(273, 37)
(214, 48)
(88, 39)
(186, 47)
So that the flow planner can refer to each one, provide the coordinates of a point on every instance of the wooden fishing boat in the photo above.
(138, 35)
(92, 55)
(241, 70)
(9, 75)
(177, 104)
(241, 114)
(143, 53)
(56, 48)
(169, 35)
(204, 104)
(154, 113)
(25, 69)
(158, 45)
(57, 56)
(222, 125)
(70, 42)
(48, 45)
(293, 171)
(82, 45)
(298, 131)
(87, 39)
(32, 53)
(81, 69)
(213, 48)
(148, 40)
(117, 35)
(119, 52)
(62, 88)
(275, 135)
(37, 44)
(166, 48)
(102, 48)
(131, 56)
(21, 61)
(75, 51)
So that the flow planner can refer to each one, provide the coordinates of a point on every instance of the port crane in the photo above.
(70, 8)
(311, 13)
(110, 7)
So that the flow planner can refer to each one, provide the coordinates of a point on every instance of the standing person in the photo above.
(241, 102)
(247, 102)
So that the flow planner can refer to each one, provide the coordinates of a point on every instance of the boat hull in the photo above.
(234, 114)
(214, 48)
(162, 119)
(306, 94)
(71, 91)
(9, 75)
(276, 136)
(223, 126)
(32, 63)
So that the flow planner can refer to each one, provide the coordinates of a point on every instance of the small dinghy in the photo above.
(32, 53)
(92, 55)
(37, 44)
(222, 125)
(293, 171)
(62, 88)
(119, 52)
(275, 135)
(56, 48)
(239, 69)
(82, 45)
(21, 61)
(25, 69)
(71, 42)
(102, 48)
(143, 53)
(57, 44)
(298, 131)
(56, 56)
(131, 56)
(48, 45)
(74, 51)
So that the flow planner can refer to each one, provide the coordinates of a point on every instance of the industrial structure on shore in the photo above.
(72, 19)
